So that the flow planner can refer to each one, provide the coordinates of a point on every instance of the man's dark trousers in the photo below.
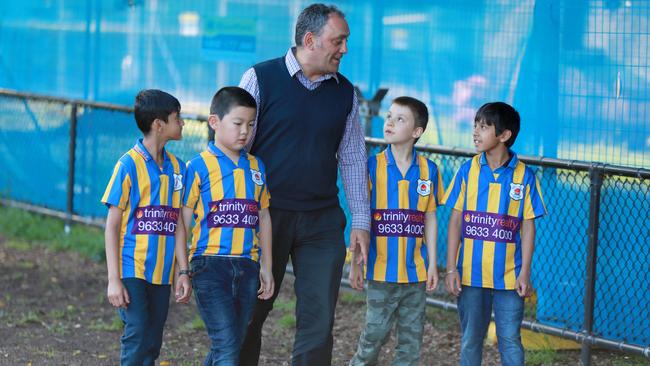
(314, 239)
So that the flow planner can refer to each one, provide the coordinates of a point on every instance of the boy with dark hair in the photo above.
(227, 195)
(144, 200)
(495, 200)
(404, 191)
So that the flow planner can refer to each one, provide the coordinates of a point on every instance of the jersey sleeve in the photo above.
(533, 201)
(455, 194)
(437, 190)
(192, 186)
(118, 188)
(265, 196)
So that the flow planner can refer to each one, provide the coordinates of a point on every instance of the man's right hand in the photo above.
(117, 294)
(452, 283)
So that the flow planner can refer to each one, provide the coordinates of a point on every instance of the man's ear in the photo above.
(213, 120)
(308, 40)
(505, 135)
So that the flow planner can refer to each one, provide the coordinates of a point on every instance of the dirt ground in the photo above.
(53, 311)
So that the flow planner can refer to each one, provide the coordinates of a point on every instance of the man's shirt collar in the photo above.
(293, 66)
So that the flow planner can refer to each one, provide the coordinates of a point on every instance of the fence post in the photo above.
(72, 147)
(596, 173)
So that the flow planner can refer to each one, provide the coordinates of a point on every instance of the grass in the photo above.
(543, 357)
(442, 319)
(196, 323)
(353, 298)
(114, 325)
(30, 317)
(630, 361)
(284, 306)
(287, 321)
(23, 229)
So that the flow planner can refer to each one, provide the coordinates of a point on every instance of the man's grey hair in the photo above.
(313, 18)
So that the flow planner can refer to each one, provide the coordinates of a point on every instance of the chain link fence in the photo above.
(591, 267)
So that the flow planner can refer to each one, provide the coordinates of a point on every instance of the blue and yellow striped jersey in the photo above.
(398, 205)
(493, 205)
(226, 199)
(151, 201)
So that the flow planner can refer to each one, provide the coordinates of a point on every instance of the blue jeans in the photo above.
(144, 320)
(225, 289)
(475, 306)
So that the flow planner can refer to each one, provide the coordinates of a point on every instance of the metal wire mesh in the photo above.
(34, 148)
(622, 303)
(34, 144)
(622, 309)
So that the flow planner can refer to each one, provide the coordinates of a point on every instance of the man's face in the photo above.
(332, 44)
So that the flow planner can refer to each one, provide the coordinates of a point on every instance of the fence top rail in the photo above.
(454, 151)
(80, 102)
(535, 160)
(84, 103)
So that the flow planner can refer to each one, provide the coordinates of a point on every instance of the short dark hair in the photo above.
(152, 104)
(419, 110)
(503, 116)
(229, 97)
(313, 18)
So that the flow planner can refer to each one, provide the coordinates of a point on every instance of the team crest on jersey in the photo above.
(424, 187)
(178, 182)
(516, 191)
(257, 177)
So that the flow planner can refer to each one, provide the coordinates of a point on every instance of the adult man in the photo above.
(307, 127)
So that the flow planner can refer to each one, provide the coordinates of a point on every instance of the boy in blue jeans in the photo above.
(144, 200)
(495, 200)
(404, 192)
(227, 195)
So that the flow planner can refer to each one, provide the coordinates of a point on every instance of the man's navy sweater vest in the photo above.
(298, 135)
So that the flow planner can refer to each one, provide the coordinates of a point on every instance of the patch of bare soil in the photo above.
(53, 311)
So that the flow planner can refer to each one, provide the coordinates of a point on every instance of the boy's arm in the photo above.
(523, 285)
(183, 286)
(452, 278)
(117, 294)
(356, 273)
(267, 284)
(431, 239)
(186, 218)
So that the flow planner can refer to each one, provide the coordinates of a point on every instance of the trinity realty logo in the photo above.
(491, 220)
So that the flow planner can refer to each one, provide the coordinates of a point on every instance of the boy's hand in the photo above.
(432, 278)
(523, 285)
(452, 283)
(356, 275)
(359, 241)
(183, 289)
(117, 294)
(267, 284)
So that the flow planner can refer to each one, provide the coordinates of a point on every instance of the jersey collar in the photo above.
(512, 163)
(214, 150)
(390, 159)
(142, 151)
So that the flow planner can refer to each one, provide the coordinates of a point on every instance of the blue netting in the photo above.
(576, 70)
